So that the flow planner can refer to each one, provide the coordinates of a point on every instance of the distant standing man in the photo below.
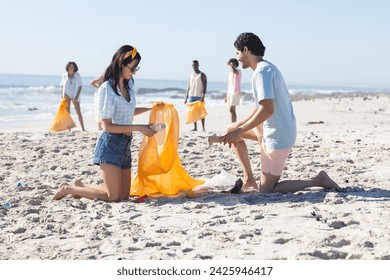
(271, 123)
(234, 88)
(197, 88)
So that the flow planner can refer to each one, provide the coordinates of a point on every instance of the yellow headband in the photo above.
(133, 53)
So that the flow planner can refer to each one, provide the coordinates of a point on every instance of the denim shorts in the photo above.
(113, 148)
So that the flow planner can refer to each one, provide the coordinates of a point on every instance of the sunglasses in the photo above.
(133, 69)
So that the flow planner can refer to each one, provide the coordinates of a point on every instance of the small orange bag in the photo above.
(195, 111)
(160, 171)
(62, 120)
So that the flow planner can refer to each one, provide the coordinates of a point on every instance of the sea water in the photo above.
(33, 97)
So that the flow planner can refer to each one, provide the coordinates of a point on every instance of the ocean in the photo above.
(31, 97)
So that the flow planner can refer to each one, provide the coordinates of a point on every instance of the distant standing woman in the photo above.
(234, 88)
(71, 88)
(96, 84)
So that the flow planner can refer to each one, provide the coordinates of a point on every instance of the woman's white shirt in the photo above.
(114, 106)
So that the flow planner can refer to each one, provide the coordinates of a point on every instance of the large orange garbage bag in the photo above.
(62, 120)
(160, 171)
(195, 111)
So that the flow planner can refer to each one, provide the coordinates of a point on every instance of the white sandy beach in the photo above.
(347, 137)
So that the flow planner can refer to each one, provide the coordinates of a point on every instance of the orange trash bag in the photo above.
(62, 119)
(195, 111)
(160, 171)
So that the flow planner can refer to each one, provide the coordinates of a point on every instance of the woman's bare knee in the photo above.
(114, 198)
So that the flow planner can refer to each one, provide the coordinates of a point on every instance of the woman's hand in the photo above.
(147, 130)
(158, 103)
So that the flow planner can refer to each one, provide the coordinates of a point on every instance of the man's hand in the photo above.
(233, 137)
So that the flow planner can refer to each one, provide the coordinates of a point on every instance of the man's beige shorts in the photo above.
(272, 161)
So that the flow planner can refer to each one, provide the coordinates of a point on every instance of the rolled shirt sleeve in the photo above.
(106, 102)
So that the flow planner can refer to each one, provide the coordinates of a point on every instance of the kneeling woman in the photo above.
(112, 151)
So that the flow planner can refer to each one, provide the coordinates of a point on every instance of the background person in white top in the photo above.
(71, 88)
(271, 123)
(234, 88)
(197, 88)
(96, 84)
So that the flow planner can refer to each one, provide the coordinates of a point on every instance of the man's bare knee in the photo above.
(268, 182)
(266, 189)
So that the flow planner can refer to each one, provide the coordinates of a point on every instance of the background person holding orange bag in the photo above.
(197, 89)
(71, 88)
(233, 94)
(117, 108)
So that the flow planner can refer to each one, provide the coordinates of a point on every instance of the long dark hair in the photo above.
(120, 59)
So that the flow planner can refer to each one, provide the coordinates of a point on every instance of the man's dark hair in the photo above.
(251, 41)
(234, 61)
(195, 61)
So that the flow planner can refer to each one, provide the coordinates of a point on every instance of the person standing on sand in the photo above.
(197, 89)
(271, 123)
(71, 88)
(117, 108)
(96, 84)
(233, 94)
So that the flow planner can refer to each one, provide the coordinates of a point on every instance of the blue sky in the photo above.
(330, 43)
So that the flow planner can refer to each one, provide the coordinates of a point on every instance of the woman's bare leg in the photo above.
(78, 111)
(110, 191)
(233, 113)
(68, 100)
(126, 182)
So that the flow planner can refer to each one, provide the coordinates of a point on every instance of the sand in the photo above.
(347, 137)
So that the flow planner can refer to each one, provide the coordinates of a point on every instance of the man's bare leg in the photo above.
(241, 151)
(195, 127)
(269, 183)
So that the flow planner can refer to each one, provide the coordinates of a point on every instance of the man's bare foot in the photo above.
(250, 183)
(326, 182)
(250, 189)
(61, 192)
